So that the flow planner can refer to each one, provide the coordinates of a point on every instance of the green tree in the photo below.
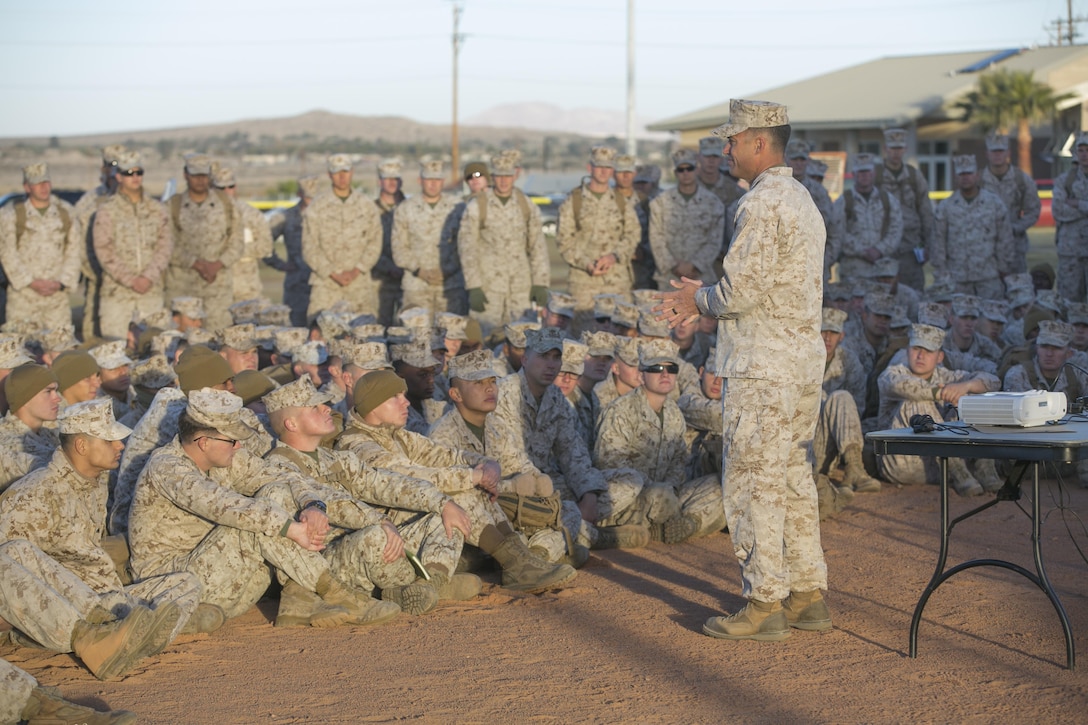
(1006, 98)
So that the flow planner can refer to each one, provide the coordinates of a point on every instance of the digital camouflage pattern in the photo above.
(685, 230)
(256, 245)
(339, 235)
(973, 245)
(431, 263)
(23, 450)
(847, 238)
(131, 240)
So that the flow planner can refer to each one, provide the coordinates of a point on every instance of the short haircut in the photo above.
(189, 430)
(778, 135)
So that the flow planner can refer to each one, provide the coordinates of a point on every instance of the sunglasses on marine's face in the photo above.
(132, 172)
(684, 169)
(670, 368)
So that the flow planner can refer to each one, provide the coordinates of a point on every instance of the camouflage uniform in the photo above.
(903, 394)
(703, 416)
(355, 541)
(501, 444)
(212, 230)
(601, 228)
(23, 450)
(44, 600)
(256, 245)
(418, 243)
(156, 429)
(389, 287)
(85, 209)
(847, 238)
(1021, 197)
(980, 347)
(1071, 218)
(43, 251)
(15, 688)
(910, 189)
(685, 230)
(841, 406)
(296, 281)
(550, 436)
(820, 198)
(222, 527)
(1072, 382)
(770, 353)
(63, 514)
(413, 455)
(973, 244)
(505, 260)
(726, 189)
(339, 235)
(130, 240)
(632, 434)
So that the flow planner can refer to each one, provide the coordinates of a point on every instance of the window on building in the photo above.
(933, 162)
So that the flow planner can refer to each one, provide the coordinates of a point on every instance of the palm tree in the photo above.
(1006, 97)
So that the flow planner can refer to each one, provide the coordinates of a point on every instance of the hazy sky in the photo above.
(80, 67)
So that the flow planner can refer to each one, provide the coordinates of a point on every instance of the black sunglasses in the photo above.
(670, 368)
(231, 441)
(473, 175)
(684, 169)
(132, 172)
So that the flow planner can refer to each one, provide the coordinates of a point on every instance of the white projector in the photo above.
(1031, 408)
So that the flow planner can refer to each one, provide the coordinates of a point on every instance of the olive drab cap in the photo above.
(250, 385)
(201, 367)
(26, 381)
(374, 389)
(751, 114)
(218, 410)
(92, 418)
(476, 365)
(72, 366)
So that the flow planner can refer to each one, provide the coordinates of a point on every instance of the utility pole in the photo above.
(457, 38)
(1064, 30)
(631, 145)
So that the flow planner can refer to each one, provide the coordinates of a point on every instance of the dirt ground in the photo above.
(623, 642)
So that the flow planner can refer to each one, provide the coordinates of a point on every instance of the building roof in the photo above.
(898, 90)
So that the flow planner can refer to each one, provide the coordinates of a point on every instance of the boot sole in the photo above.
(142, 640)
(413, 599)
(757, 637)
(818, 626)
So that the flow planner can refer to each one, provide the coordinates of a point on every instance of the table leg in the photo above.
(942, 558)
(1043, 580)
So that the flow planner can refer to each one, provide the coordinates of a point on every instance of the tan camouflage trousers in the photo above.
(1072, 277)
(987, 289)
(42, 599)
(47, 313)
(218, 296)
(837, 428)
(361, 295)
(617, 505)
(15, 689)
(502, 307)
(230, 563)
(246, 279)
(768, 489)
(916, 470)
(425, 534)
(436, 299)
(355, 558)
(117, 304)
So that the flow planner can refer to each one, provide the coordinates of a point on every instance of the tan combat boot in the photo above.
(362, 608)
(961, 479)
(760, 621)
(110, 650)
(624, 536)
(419, 597)
(679, 528)
(302, 608)
(47, 707)
(857, 478)
(808, 611)
(526, 572)
(986, 474)
(204, 619)
(460, 587)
